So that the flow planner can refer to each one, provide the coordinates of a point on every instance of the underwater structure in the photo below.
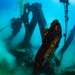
(66, 54)
(67, 43)
(23, 57)
(48, 47)
(37, 17)
(46, 52)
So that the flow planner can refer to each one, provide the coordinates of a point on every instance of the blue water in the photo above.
(52, 9)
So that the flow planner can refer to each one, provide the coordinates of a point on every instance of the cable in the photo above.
(5, 27)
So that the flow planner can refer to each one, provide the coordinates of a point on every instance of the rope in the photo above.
(9, 21)
(5, 27)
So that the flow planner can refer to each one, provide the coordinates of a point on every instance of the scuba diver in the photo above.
(15, 25)
(48, 47)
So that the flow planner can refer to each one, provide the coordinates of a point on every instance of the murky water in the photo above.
(17, 54)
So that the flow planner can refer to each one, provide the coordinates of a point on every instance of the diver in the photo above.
(17, 22)
(15, 25)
